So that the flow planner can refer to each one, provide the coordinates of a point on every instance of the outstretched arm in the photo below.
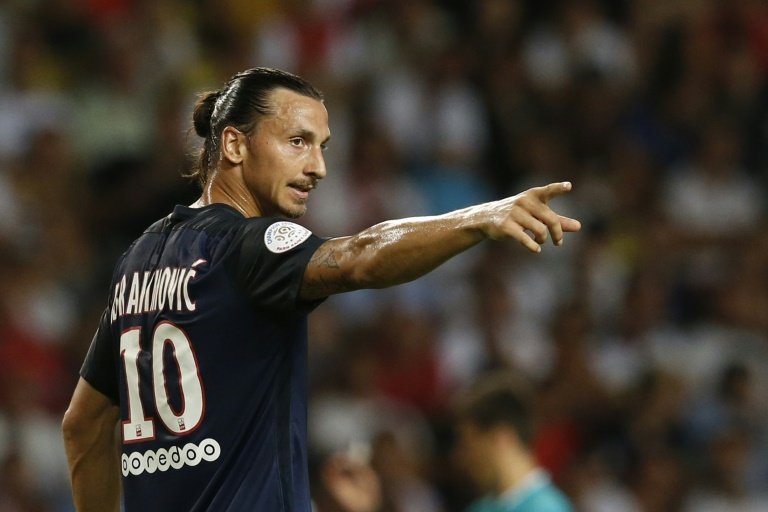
(399, 251)
(92, 450)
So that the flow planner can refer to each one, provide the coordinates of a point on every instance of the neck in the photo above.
(228, 187)
(513, 470)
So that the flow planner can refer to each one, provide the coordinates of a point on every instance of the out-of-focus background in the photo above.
(645, 336)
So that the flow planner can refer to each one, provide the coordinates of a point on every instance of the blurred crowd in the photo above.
(645, 336)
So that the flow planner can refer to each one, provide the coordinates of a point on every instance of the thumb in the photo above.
(568, 224)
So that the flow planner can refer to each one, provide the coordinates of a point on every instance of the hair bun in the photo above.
(203, 112)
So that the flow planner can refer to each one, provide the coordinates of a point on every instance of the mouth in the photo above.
(302, 189)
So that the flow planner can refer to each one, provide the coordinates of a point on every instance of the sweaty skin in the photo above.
(399, 251)
(272, 170)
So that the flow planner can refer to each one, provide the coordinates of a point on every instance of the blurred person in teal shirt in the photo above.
(494, 434)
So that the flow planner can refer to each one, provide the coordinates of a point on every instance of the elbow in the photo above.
(346, 264)
(74, 428)
(360, 278)
(373, 274)
(363, 269)
(358, 265)
(70, 426)
(371, 268)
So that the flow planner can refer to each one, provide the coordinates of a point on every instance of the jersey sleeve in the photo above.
(100, 366)
(270, 263)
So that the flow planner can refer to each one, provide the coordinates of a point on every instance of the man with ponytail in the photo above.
(194, 389)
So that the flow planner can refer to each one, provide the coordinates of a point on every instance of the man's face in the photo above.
(285, 157)
(476, 453)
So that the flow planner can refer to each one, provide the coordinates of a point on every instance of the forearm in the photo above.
(391, 252)
(94, 470)
(90, 441)
(399, 251)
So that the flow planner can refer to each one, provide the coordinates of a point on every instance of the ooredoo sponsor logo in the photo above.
(175, 457)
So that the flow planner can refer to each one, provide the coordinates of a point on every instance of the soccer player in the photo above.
(495, 433)
(199, 358)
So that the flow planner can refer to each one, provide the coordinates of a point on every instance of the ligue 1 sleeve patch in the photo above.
(283, 236)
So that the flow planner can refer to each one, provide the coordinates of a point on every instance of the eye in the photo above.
(323, 146)
(297, 142)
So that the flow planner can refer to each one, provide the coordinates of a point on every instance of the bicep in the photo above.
(89, 409)
(329, 271)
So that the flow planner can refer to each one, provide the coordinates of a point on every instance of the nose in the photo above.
(316, 165)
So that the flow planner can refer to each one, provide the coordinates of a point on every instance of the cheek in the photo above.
(285, 165)
(284, 153)
(268, 169)
(269, 154)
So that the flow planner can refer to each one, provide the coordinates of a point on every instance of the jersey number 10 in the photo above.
(139, 427)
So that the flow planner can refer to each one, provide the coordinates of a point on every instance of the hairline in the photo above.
(272, 111)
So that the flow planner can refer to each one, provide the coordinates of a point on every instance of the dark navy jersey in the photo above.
(203, 345)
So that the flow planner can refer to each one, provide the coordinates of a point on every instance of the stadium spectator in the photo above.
(496, 430)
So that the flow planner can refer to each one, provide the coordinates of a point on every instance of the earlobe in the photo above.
(233, 146)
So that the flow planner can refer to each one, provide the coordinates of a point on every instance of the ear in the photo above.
(233, 145)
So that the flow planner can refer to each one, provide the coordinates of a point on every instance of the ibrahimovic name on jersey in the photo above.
(203, 344)
(152, 292)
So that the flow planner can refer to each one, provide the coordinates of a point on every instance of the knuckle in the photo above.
(515, 212)
(527, 200)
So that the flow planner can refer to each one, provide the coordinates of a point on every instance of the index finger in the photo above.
(552, 190)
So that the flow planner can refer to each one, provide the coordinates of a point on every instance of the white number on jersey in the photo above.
(138, 427)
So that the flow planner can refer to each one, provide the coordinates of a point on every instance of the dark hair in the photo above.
(498, 399)
(239, 103)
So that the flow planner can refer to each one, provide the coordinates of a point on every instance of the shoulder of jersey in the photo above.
(283, 236)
